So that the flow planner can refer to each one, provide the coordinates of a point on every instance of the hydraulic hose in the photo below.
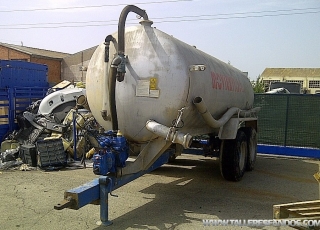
(122, 22)
(112, 93)
(117, 69)
(107, 41)
(104, 110)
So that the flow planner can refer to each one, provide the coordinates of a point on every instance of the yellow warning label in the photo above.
(153, 83)
(317, 176)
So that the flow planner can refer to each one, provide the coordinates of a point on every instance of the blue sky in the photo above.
(252, 35)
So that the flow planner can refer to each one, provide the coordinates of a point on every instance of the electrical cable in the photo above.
(158, 22)
(92, 6)
(174, 17)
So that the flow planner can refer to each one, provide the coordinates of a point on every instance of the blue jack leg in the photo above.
(105, 188)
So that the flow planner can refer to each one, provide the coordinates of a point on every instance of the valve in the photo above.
(121, 68)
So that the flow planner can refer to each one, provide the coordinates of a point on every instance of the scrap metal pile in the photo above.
(53, 132)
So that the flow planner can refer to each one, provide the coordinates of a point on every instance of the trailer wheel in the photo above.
(233, 157)
(251, 134)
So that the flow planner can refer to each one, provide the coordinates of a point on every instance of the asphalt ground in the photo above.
(176, 196)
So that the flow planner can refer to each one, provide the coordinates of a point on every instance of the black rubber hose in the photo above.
(112, 97)
(113, 70)
(107, 41)
(122, 22)
(112, 82)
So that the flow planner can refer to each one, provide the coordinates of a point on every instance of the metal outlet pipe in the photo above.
(202, 108)
(170, 134)
(82, 101)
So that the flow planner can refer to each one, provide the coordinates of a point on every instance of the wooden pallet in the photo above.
(306, 210)
(303, 210)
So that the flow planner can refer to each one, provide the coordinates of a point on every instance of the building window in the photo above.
(296, 81)
(314, 84)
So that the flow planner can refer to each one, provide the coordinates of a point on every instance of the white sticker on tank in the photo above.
(154, 93)
(143, 88)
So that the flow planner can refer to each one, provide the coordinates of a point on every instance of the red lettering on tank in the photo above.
(223, 82)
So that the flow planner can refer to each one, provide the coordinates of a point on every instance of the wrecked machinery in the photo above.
(160, 97)
(52, 130)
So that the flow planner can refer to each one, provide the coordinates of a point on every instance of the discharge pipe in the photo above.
(82, 101)
(202, 108)
(170, 134)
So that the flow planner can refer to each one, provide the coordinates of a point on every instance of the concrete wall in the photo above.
(74, 66)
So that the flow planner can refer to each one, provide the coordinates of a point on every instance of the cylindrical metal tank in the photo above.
(163, 76)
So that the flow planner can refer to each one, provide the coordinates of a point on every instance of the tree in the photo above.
(258, 86)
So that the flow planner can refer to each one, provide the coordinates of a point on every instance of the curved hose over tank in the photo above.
(118, 67)
(121, 69)
(122, 22)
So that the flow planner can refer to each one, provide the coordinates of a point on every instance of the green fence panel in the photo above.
(289, 119)
(303, 121)
(271, 118)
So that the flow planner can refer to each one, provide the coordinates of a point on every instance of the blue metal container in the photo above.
(21, 83)
(22, 74)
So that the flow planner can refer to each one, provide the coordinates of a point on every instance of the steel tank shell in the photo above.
(153, 54)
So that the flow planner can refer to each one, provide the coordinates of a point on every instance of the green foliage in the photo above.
(258, 86)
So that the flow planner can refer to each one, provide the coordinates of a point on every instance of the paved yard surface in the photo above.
(175, 196)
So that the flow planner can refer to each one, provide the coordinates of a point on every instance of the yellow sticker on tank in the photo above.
(153, 83)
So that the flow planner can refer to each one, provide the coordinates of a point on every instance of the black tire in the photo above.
(251, 134)
(233, 157)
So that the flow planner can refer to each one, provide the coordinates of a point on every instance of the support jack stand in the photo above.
(97, 191)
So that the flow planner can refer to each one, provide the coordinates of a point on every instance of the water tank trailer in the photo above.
(159, 96)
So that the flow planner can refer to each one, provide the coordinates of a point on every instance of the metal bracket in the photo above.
(229, 129)
(197, 68)
(66, 203)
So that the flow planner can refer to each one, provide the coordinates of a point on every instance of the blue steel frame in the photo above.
(4, 116)
(99, 188)
(275, 150)
(289, 151)
(16, 100)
